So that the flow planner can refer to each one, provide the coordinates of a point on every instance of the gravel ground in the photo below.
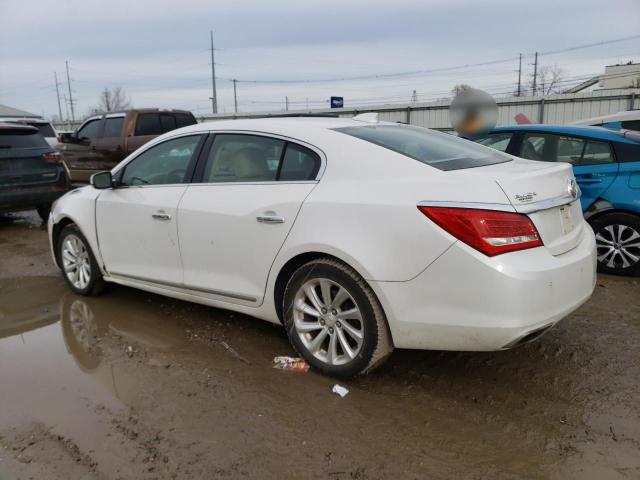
(131, 385)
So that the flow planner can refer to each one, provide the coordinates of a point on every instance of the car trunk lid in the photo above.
(547, 193)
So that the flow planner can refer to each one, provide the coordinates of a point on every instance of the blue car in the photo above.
(606, 164)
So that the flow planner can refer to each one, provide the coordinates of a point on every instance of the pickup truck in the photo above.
(102, 141)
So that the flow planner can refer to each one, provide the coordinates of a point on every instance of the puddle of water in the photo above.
(51, 363)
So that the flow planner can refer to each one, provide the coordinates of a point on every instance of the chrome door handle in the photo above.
(270, 219)
(161, 216)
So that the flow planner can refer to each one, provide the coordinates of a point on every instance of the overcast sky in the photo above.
(158, 50)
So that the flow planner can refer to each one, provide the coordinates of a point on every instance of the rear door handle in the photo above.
(270, 219)
(161, 216)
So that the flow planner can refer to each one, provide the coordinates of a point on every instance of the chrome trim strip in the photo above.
(546, 204)
(503, 207)
(236, 296)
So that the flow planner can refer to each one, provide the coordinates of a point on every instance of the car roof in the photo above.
(17, 126)
(598, 133)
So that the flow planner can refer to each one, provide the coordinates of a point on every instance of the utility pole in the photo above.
(73, 116)
(286, 104)
(214, 97)
(235, 96)
(66, 109)
(535, 74)
(519, 76)
(414, 97)
(55, 77)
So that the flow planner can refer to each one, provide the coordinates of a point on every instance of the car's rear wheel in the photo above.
(618, 243)
(334, 320)
(79, 267)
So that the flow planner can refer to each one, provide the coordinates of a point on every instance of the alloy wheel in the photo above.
(618, 246)
(76, 262)
(328, 321)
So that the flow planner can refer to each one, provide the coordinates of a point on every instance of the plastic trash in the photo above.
(340, 390)
(295, 364)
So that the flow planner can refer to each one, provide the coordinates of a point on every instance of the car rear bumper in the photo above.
(467, 301)
(24, 197)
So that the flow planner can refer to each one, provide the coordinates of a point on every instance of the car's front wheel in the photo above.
(334, 320)
(618, 243)
(79, 267)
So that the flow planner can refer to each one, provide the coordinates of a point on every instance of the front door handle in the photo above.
(270, 219)
(161, 216)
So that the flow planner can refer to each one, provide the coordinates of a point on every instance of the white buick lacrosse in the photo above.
(357, 235)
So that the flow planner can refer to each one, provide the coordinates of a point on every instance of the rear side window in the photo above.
(113, 127)
(299, 163)
(16, 139)
(596, 153)
(497, 141)
(439, 150)
(148, 124)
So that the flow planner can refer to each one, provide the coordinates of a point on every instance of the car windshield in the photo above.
(10, 138)
(439, 150)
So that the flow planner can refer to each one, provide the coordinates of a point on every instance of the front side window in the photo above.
(439, 150)
(497, 141)
(148, 124)
(162, 164)
(113, 127)
(243, 158)
(90, 130)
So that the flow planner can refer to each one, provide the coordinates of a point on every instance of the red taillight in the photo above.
(53, 157)
(488, 231)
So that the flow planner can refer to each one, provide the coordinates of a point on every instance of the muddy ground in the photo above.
(131, 385)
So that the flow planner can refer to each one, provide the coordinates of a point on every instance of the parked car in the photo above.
(606, 164)
(44, 127)
(628, 120)
(103, 141)
(359, 236)
(31, 173)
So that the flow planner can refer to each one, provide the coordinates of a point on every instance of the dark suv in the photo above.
(31, 171)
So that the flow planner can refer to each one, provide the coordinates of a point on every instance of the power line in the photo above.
(435, 70)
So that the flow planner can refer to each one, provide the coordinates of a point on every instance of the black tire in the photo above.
(95, 284)
(376, 344)
(616, 240)
(43, 211)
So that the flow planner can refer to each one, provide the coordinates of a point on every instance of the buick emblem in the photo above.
(572, 188)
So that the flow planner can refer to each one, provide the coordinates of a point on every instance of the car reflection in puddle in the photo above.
(55, 366)
(86, 320)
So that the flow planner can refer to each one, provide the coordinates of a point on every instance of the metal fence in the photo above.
(560, 108)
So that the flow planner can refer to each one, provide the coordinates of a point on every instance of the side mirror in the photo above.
(67, 137)
(101, 180)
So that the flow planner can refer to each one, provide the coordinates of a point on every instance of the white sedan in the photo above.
(357, 235)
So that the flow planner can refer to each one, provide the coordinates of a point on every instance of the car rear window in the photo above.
(46, 130)
(184, 119)
(21, 139)
(436, 149)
